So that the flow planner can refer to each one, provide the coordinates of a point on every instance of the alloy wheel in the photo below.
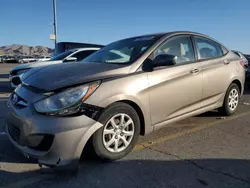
(118, 133)
(233, 99)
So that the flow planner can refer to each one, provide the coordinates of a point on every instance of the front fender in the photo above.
(144, 108)
(133, 88)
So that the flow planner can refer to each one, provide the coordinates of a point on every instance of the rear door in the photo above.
(215, 70)
(175, 90)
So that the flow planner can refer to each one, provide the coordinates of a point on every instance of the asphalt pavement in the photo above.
(203, 151)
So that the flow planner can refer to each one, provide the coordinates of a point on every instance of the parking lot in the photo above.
(203, 151)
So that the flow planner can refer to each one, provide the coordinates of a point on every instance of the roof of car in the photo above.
(171, 33)
(236, 51)
(166, 34)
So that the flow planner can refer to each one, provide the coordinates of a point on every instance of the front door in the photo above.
(175, 90)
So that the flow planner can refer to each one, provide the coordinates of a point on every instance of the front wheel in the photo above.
(119, 134)
(231, 101)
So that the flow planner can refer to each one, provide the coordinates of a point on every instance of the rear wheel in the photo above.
(231, 101)
(119, 134)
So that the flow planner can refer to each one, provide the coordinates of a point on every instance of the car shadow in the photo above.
(130, 172)
(214, 113)
(144, 173)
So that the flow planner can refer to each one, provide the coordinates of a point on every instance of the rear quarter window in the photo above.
(208, 48)
(224, 50)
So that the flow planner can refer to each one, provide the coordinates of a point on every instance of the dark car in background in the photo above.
(248, 68)
(247, 57)
(65, 46)
(9, 59)
(242, 56)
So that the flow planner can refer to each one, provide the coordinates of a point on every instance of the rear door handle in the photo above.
(226, 62)
(194, 71)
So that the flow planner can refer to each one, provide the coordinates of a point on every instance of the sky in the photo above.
(30, 22)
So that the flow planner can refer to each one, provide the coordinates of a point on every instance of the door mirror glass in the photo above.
(164, 60)
(70, 59)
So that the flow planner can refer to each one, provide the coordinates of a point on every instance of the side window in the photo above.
(208, 48)
(180, 46)
(83, 54)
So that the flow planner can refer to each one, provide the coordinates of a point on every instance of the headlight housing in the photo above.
(66, 102)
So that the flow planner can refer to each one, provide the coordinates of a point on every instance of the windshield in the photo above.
(61, 56)
(123, 51)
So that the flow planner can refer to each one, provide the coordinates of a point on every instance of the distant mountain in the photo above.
(17, 49)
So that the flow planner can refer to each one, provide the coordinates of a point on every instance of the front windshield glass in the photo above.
(61, 56)
(123, 51)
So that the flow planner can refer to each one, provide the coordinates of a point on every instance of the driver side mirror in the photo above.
(70, 59)
(164, 60)
(159, 61)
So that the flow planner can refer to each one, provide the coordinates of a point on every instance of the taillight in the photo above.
(242, 63)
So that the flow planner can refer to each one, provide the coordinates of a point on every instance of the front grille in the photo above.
(14, 132)
(16, 81)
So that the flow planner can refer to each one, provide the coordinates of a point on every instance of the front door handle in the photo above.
(194, 71)
(226, 62)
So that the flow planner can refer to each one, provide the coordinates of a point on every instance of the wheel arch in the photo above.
(142, 109)
(239, 84)
(81, 145)
(144, 129)
(139, 112)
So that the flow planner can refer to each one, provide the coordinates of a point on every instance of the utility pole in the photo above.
(55, 24)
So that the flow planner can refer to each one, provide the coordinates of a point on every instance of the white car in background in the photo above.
(73, 55)
(26, 59)
(45, 58)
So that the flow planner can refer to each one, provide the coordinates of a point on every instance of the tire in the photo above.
(226, 109)
(117, 110)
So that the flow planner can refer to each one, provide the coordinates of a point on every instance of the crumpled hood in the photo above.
(54, 77)
(36, 64)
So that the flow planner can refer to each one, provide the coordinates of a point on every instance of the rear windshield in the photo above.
(236, 53)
